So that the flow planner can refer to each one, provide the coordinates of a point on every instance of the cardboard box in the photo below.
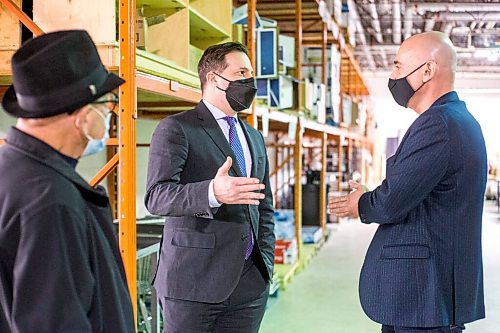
(311, 234)
(285, 251)
(154, 35)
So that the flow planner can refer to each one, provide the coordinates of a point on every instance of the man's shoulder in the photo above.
(181, 118)
(434, 116)
(30, 185)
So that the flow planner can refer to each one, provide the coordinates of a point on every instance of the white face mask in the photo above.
(95, 146)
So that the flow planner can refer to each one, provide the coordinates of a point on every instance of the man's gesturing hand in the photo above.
(236, 190)
(347, 206)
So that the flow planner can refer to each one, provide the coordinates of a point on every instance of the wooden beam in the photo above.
(166, 104)
(318, 40)
(281, 165)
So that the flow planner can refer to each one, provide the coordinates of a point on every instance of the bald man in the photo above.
(423, 269)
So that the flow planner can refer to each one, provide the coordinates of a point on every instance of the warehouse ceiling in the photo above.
(473, 26)
(379, 26)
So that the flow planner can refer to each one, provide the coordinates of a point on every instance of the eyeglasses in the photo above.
(110, 103)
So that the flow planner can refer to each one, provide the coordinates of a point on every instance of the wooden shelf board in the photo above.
(162, 86)
(163, 68)
(313, 128)
(5, 79)
(333, 131)
(210, 33)
(161, 4)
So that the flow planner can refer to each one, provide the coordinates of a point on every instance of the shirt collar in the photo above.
(216, 112)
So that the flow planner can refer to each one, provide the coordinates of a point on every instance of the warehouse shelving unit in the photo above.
(301, 19)
(160, 84)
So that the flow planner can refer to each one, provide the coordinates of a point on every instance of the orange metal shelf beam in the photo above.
(324, 138)
(127, 146)
(298, 133)
(252, 6)
(104, 172)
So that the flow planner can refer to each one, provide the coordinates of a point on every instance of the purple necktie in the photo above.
(235, 144)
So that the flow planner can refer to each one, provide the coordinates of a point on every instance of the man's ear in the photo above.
(430, 69)
(211, 79)
(79, 115)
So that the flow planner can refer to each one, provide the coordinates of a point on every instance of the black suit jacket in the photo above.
(424, 265)
(203, 252)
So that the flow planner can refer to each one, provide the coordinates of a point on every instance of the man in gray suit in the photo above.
(423, 271)
(208, 175)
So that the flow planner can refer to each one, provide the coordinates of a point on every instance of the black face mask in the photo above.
(401, 90)
(240, 93)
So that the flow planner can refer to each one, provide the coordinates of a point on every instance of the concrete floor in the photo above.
(324, 297)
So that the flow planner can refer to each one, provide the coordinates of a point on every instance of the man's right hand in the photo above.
(236, 190)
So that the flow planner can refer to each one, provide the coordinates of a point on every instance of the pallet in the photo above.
(285, 273)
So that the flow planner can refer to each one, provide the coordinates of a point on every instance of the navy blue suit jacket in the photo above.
(424, 265)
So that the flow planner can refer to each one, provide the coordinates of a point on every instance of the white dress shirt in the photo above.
(224, 126)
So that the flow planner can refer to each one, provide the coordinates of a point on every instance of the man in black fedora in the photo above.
(60, 267)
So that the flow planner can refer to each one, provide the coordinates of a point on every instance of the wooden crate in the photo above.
(10, 37)
(170, 39)
(96, 16)
(189, 27)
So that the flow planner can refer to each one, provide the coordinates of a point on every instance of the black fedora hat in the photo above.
(57, 73)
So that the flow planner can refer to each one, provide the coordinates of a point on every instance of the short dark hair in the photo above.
(214, 59)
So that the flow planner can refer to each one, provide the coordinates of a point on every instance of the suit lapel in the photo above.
(212, 128)
(252, 145)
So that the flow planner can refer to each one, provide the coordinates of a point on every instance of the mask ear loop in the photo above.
(236, 82)
(416, 69)
(222, 78)
(414, 72)
(78, 125)
(85, 132)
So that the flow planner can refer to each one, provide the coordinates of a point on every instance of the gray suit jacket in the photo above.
(203, 252)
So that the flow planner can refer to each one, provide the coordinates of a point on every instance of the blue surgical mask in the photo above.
(95, 146)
